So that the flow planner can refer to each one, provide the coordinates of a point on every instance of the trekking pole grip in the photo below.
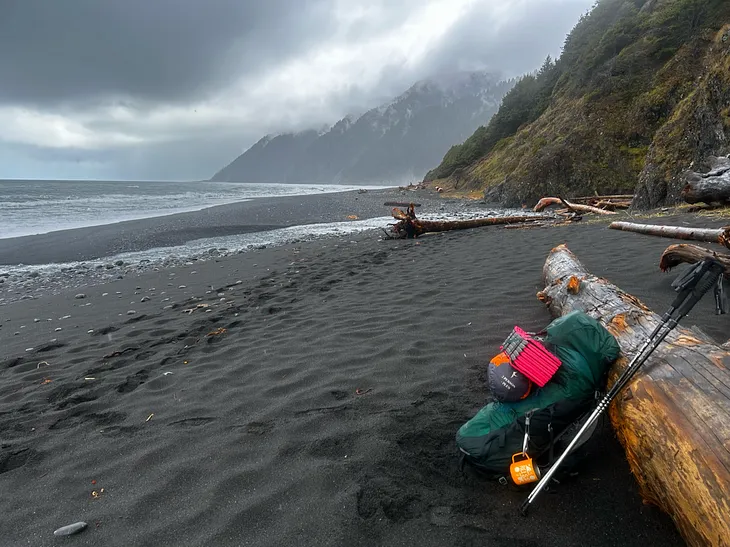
(706, 281)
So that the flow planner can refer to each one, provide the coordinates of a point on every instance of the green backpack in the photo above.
(586, 349)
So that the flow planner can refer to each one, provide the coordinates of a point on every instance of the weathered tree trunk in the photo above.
(610, 205)
(411, 227)
(673, 418)
(546, 202)
(592, 199)
(712, 235)
(675, 255)
(711, 187)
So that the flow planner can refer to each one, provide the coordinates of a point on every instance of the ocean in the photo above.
(31, 207)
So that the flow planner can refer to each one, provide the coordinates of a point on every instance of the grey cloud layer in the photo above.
(70, 56)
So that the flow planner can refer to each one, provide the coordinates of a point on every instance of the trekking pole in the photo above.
(691, 287)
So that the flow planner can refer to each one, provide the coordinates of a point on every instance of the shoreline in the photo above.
(257, 214)
(94, 255)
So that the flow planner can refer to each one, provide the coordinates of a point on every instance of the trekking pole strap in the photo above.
(706, 279)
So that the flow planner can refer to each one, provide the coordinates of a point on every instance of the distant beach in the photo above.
(303, 393)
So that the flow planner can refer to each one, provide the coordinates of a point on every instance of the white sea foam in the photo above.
(200, 249)
(38, 207)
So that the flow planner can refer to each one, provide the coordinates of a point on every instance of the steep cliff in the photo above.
(640, 93)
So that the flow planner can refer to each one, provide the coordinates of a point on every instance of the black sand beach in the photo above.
(301, 395)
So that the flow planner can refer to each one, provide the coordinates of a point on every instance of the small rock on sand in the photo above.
(144, 299)
(131, 312)
(80, 296)
(71, 529)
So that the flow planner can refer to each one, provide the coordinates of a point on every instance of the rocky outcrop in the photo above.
(698, 130)
(640, 95)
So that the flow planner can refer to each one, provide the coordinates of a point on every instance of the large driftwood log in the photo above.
(412, 227)
(673, 418)
(712, 235)
(546, 202)
(711, 187)
(674, 255)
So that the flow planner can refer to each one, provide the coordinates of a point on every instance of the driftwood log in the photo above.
(612, 197)
(546, 202)
(710, 187)
(611, 205)
(674, 255)
(711, 235)
(673, 418)
(411, 227)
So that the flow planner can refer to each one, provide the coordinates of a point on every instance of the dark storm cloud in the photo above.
(157, 50)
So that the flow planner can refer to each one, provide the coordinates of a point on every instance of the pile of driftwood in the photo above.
(410, 226)
(599, 205)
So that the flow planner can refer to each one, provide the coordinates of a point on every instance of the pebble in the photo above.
(71, 529)
(29, 349)
(36, 320)
(90, 331)
(131, 312)
(105, 294)
(144, 299)
(58, 329)
(80, 296)
(182, 287)
(119, 263)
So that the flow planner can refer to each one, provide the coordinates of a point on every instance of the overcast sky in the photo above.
(176, 89)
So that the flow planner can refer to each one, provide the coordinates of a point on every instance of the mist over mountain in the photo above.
(394, 143)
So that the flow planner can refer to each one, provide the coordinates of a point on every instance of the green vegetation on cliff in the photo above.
(619, 107)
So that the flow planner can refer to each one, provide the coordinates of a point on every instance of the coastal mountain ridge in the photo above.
(393, 143)
(639, 95)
